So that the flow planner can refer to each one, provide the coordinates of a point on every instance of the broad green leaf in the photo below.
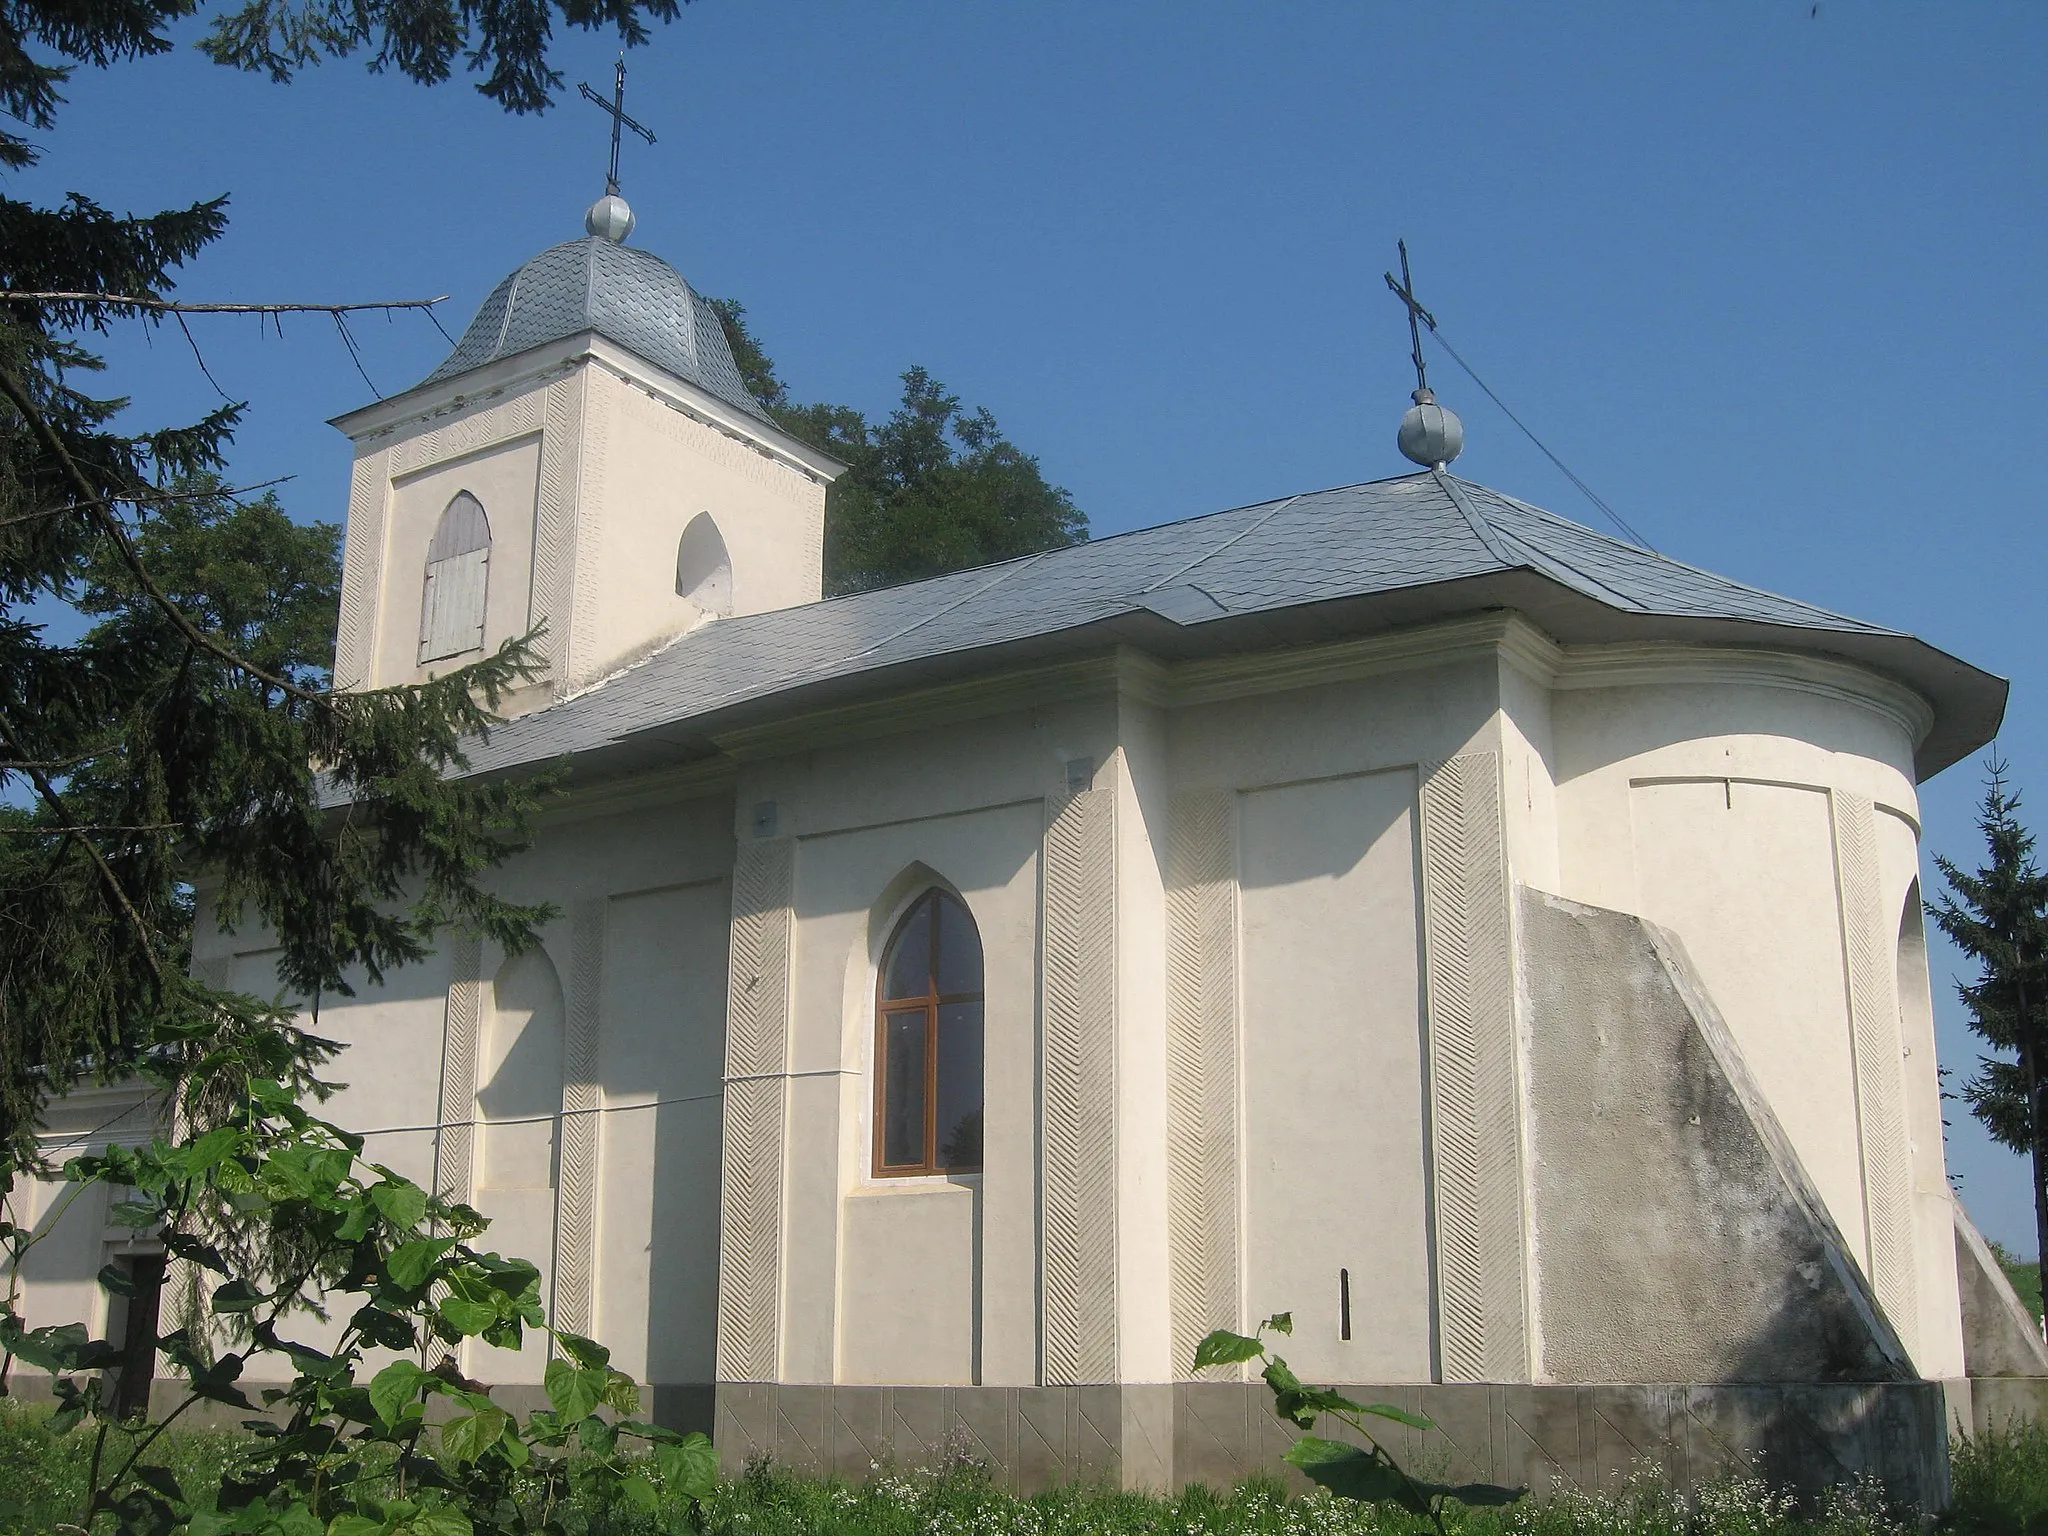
(238, 1295)
(466, 1438)
(54, 1349)
(573, 1392)
(383, 1327)
(203, 1254)
(584, 1351)
(597, 1437)
(689, 1469)
(640, 1494)
(468, 1317)
(355, 1226)
(327, 1168)
(1351, 1473)
(1279, 1322)
(438, 1521)
(162, 1480)
(211, 1148)
(114, 1278)
(392, 1388)
(348, 1525)
(402, 1205)
(620, 1394)
(133, 1213)
(411, 1263)
(1226, 1348)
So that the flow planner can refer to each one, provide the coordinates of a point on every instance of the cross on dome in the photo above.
(610, 217)
(1430, 435)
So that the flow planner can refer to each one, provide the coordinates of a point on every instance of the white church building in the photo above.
(1497, 945)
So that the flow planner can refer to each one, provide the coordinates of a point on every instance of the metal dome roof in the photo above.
(627, 296)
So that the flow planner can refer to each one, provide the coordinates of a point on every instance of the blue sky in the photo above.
(1770, 281)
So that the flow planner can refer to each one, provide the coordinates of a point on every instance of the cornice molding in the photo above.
(1663, 664)
(1099, 676)
(702, 780)
(1340, 661)
(539, 366)
(1504, 637)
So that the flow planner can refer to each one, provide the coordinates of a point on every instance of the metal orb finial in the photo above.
(610, 218)
(1430, 435)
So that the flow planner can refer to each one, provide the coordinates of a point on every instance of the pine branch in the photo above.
(54, 802)
(147, 499)
(169, 307)
(111, 525)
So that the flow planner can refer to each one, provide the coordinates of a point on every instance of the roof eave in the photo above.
(1966, 704)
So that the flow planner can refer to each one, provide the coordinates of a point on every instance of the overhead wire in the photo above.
(1627, 529)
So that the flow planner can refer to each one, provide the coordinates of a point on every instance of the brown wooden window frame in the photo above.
(927, 906)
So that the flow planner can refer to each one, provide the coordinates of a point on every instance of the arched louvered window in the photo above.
(458, 570)
(928, 1014)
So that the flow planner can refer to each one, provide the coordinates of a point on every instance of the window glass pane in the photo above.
(959, 950)
(903, 1089)
(960, 1085)
(910, 962)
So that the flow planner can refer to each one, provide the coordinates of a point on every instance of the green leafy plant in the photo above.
(410, 1448)
(1366, 1473)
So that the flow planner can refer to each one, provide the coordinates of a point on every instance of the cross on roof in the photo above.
(1418, 317)
(617, 107)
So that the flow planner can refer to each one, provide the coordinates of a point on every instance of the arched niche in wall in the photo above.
(1915, 992)
(458, 576)
(704, 568)
(520, 1099)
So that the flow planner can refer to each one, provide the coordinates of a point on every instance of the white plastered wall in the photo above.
(913, 1280)
(1331, 1012)
(590, 464)
(643, 889)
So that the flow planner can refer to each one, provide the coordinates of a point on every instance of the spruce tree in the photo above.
(186, 746)
(1997, 915)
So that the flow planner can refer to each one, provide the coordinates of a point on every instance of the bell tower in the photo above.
(586, 463)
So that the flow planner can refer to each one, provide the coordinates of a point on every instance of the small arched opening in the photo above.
(458, 571)
(704, 568)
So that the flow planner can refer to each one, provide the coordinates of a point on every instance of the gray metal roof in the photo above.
(1308, 568)
(625, 295)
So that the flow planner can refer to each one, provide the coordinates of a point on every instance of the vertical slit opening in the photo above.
(1344, 1304)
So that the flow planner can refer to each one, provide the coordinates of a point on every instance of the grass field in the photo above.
(2001, 1486)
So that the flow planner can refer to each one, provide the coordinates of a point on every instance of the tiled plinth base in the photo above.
(1805, 1436)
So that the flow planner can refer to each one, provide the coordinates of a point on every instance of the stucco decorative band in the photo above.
(455, 1145)
(1867, 945)
(576, 1196)
(554, 527)
(575, 663)
(487, 428)
(1078, 1069)
(1201, 1064)
(1474, 1117)
(369, 490)
(756, 1049)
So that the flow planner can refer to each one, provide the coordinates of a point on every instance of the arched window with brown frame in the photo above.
(928, 1023)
